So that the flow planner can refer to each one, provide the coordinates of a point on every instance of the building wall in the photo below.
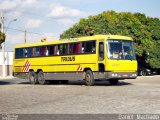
(8, 63)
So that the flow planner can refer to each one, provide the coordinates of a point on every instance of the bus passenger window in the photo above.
(46, 51)
(42, 51)
(65, 49)
(82, 47)
(61, 50)
(56, 50)
(34, 51)
(25, 52)
(51, 50)
(19, 53)
(78, 48)
(88, 47)
(29, 52)
(70, 48)
(37, 51)
(93, 47)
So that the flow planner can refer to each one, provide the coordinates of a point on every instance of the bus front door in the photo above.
(101, 65)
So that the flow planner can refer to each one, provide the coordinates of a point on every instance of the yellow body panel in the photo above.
(55, 64)
(121, 65)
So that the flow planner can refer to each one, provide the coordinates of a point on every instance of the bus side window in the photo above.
(65, 49)
(93, 47)
(24, 52)
(51, 50)
(74, 48)
(61, 49)
(88, 47)
(71, 48)
(37, 51)
(42, 51)
(46, 51)
(82, 47)
(34, 51)
(56, 50)
(78, 48)
(29, 52)
(19, 53)
(101, 51)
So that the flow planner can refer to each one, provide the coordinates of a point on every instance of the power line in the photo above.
(15, 29)
(29, 32)
(41, 16)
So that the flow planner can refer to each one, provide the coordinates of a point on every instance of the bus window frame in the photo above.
(68, 54)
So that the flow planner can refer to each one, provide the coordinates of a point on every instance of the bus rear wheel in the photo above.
(41, 78)
(32, 76)
(89, 79)
(113, 82)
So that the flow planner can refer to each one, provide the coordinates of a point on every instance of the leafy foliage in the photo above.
(2, 38)
(144, 30)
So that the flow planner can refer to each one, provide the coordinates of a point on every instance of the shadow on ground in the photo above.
(81, 82)
(4, 83)
(60, 82)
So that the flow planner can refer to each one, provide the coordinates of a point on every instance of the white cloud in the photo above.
(66, 21)
(19, 4)
(65, 12)
(16, 14)
(30, 1)
(12, 39)
(19, 38)
(33, 23)
(9, 4)
(51, 36)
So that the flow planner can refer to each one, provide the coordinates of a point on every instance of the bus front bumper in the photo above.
(115, 75)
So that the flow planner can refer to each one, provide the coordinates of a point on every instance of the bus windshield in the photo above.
(120, 50)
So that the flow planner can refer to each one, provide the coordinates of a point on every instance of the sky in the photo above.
(50, 18)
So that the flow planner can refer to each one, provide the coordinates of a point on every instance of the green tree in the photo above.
(2, 38)
(144, 30)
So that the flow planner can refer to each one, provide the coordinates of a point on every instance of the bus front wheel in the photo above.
(89, 79)
(32, 76)
(41, 78)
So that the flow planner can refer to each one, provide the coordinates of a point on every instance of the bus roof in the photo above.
(95, 37)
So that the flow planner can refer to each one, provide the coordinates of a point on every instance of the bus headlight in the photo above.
(114, 74)
(134, 75)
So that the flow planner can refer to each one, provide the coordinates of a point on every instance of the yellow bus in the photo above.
(99, 57)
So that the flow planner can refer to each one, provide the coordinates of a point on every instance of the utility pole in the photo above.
(3, 46)
(25, 36)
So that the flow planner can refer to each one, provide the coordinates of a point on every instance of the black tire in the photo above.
(41, 78)
(143, 73)
(32, 76)
(89, 79)
(113, 81)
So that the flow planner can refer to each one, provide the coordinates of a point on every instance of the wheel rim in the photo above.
(41, 77)
(143, 73)
(32, 78)
(88, 77)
